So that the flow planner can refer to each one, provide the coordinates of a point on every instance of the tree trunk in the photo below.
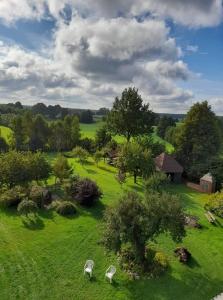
(135, 177)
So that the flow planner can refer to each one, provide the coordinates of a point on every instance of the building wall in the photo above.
(207, 187)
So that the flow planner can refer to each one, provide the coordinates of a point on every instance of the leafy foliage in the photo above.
(81, 154)
(148, 218)
(98, 156)
(155, 182)
(135, 160)
(164, 123)
(3, 144)
(102, 137)
(41, 196)
(129, 117)
(12, 197)
(22, 167)
(86, 117)
(27, 207)
(61, 168)
(199, 139)
(215, 204)
(66, 208)
(88, 144)
(85, 191)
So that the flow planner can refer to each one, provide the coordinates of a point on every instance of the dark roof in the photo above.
(167, 164)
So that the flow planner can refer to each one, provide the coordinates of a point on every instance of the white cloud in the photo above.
(95, 55)
(193, 13)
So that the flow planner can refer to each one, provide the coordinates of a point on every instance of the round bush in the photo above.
(66, 208)
(86, 192)
(27, 207)
(40, 195)
(12, 197)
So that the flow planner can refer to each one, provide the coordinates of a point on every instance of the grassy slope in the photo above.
(46, 262)
(5, 132)
(89, 130)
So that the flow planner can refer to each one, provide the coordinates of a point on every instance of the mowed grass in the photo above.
(5, 132)
(89, 130)
(46, 260)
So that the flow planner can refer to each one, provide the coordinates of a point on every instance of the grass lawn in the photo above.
(89, 130)
(45, 260)
(5, 132)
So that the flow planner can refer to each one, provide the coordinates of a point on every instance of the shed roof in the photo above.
(166, 163)
(208, 177)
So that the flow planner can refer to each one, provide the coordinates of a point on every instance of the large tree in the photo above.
(199, 139)
(129, 117)
(137, 221)
(136, 160)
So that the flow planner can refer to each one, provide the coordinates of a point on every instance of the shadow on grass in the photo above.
(95, 211)
(218, 223)
(107, 169)
(90, 171)
(46, 214)
(191, 285)
(34, 223)
(192, 263)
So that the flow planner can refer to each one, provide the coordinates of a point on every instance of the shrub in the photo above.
(157, 262)
(66, 208)
(27, 207)
(156, 182)
(215, 204)
(88, 144)
(86, 192)
(40, 195)
(81, 154)
(12, 197)
(127, 257)
(69, 185)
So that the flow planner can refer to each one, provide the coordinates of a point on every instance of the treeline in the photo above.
(36, 133)
(50, 112)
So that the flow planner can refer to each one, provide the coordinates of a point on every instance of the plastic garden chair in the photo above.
(110, 273)
(88, 267)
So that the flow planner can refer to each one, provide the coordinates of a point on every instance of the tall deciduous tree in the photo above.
(199, 139)
(129, 117)
(135, 221)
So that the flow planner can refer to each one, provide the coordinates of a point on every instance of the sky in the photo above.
(82, 54)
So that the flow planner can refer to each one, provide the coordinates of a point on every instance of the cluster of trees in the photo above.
(50, 111)
(19, 168)
(35, 133)
(165, 122)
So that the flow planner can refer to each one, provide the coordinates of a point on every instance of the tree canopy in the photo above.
(129, 117)
(135, 160)
(199, 139)
(136, 221)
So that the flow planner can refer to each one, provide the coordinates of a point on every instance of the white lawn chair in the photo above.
(88, 267)
(110, 273)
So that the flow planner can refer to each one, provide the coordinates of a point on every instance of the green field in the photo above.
(5, 132)
(45, 260)
(89, 130)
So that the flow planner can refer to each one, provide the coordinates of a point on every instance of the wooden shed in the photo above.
(207, 183)
(168, 164)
